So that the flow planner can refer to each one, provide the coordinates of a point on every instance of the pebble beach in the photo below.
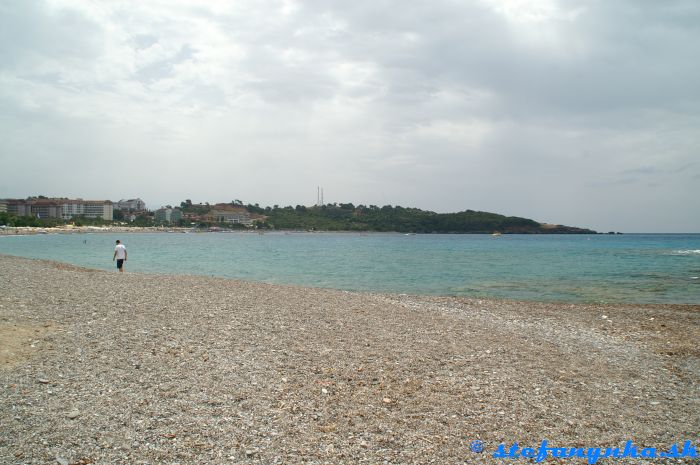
(108, 368)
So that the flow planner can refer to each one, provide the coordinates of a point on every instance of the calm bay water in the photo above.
(652, 268)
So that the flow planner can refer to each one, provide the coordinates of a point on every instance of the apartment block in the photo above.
(168, 215)
(131, 205)
(60, 208)
(233, 217)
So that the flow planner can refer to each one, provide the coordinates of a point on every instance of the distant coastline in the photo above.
(44, 212)
(32, 230)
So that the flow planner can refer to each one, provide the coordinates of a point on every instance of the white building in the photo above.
(232, 217)
(88, 208)
(168, 215)
(98, 209)
(131, 205)
(61, 208)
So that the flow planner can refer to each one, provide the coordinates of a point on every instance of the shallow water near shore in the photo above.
(631, 268)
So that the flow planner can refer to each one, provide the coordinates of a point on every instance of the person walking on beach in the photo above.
(120, 255)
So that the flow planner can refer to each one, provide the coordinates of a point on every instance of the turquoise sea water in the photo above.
(639, 268)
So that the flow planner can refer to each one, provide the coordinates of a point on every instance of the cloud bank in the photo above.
(576, 112)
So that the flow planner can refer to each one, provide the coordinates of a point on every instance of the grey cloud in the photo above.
(29, 32)
(645, 171)
(144, 41)
(648, 63)
(439, 104)
(164, 68)
(649, 170)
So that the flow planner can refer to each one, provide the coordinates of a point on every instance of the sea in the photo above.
(627, 268)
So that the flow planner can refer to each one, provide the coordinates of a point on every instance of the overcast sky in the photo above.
(584, 113)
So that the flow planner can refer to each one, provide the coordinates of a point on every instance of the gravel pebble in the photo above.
(198, 370)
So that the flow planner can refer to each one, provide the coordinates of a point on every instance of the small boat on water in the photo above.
(495, 234)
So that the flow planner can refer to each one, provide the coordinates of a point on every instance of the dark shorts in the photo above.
(120, 263)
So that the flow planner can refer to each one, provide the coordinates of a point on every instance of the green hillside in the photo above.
(347, 217)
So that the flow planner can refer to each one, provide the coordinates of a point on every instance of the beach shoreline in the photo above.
(68, 229)
(107, 368)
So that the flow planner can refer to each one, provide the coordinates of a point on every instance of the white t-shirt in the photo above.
(121, 251)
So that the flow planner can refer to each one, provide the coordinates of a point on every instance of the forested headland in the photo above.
(348, 217)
